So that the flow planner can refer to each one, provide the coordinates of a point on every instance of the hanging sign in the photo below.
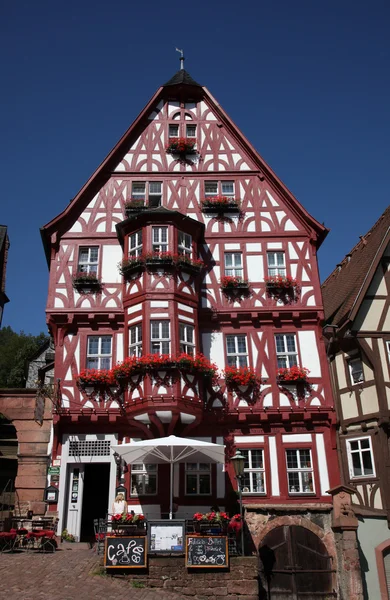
(207, 551)
(54, 470)
(125, 552)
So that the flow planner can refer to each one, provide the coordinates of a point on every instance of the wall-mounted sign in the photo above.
(54, 470)
(125, 552)
(166, 536)
(51, 495)
(208, 551)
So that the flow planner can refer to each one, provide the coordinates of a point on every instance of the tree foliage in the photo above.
(16, 349)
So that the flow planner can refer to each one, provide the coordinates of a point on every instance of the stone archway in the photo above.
(297, 560)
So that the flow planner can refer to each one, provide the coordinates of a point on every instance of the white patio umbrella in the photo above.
(171, 449)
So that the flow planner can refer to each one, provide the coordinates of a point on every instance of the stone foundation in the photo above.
(239, 582)
(18, 406)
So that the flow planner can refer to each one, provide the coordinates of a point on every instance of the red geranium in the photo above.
(294, 373)
(235, 376)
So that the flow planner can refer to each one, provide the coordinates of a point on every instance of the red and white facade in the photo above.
(287, 432)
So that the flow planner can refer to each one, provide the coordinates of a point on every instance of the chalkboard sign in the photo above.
(166, 536)
(125, 552)
(207, 551)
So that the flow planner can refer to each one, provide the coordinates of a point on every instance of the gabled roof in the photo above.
(344, 289)
(184, 86)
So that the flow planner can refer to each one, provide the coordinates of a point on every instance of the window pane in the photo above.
(136, 484)
(282, 362)
(307, 482)
(191, 130)
(231, 361)
(258, 482)
(165, 329)
(138, 188)
(191, 481)
(155, 187)
(292, 459)
(293, 360)
(150, 484)
(257, 459)
(93, 345)
(367, 463)
(242, 361)
(105, 363)
(290, 339)
(357, 468)
(279, 343)
(204, 483)
(83, 254)
(231, 347)
(305, 459)
(364, 443)
(155, 330)
(211, 187)
(92, 363)
(227, 187)
(241, 343)
(354, 445)
(204, 466)
(164, 347)
(293, 482)
(106, 345)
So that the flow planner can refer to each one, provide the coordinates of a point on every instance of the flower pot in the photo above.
(221, 209)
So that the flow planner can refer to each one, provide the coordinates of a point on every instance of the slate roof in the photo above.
(180, 78)
(341, 289)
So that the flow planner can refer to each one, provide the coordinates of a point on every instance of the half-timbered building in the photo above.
(356, 301)
(184, 241)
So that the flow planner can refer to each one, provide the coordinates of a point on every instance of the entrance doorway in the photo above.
(95, 497)
(295, 565)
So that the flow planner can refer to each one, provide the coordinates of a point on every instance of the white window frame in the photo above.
(135, 348)
(198, 472)
(144, 471)
(219, 188)
(170, 127)
(291, 357)
(91, 264)
(158, 244)
(251, 472)
(138, 195)
(99, 356)
(163, 342)
(184, 244)
(237, 268)
(135, 243)
(276, 268)
(235, 359)
(155, 196)
(187, 338)
(300, 471)
(351, 362)
(190, 125)
(359, 451)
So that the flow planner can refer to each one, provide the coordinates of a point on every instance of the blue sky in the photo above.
(306, 81)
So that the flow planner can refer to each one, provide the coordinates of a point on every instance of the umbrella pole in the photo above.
(171, 494)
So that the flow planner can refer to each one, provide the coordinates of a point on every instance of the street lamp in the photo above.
(238, 461)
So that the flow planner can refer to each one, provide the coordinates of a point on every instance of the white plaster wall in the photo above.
(119, 347)
(369, 400)
(349, 405)
(111, 256)
(212, 344)
(322, 463)
(274, 475)
(309, 352)
(340, 368)
(255, 268)
(369, 315)
(371, 532)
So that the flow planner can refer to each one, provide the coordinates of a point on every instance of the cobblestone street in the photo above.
(69, 573)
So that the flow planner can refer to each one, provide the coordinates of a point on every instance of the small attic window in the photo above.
(190, 131)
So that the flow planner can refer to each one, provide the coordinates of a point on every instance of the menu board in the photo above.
(166, 536)
(207, 551)
(125, 552)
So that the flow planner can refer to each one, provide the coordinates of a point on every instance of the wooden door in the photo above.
(295, 565)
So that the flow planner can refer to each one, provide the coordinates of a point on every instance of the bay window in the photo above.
(135, 340)
(186, 335)
(160, 342)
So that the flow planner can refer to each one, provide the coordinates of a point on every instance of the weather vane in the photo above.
(181, 57)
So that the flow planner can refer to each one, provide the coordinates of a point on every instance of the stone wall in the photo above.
(239, 582)
(33, 447)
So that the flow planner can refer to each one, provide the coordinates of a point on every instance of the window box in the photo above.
(292, 375)
(86, 283)
(220, 204)
(280, 282)
(241, 379)
(235, 286)
(91, 380)
(135, 205)
(159, 261)
(193, 266)
(130, 266)
(211, 522)
(181, 146)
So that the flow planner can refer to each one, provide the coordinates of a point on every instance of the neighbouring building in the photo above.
(356, 301)
(4, 247)
(185, 241)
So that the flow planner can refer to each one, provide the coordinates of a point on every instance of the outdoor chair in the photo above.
(100, 529)
(7, 541)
